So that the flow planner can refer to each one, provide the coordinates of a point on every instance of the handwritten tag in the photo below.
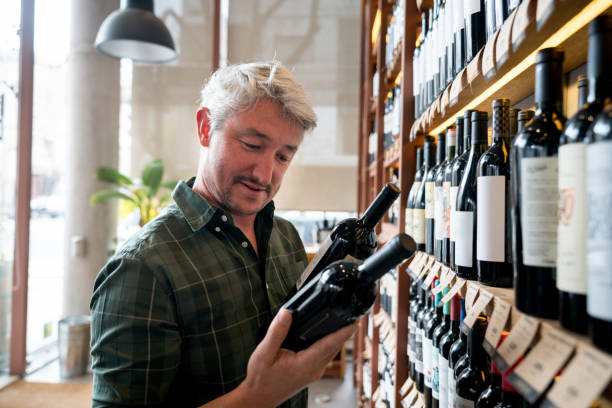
(516, 343)
(524, 16)
(583, 380)
(459, 284)
(488, 57)
(446, 277)
(456, 88)
(473, 68)
(501, 311)
(409, 383)
(432, 275)
(502, 45)
(484, 298)
(389, 342)
(415, 261)
(444, 101)
(376, 394)
(412, 395)
(470, 296)
(543, 11)
(533, 375)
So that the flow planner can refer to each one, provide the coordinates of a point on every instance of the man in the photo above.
(179, 313)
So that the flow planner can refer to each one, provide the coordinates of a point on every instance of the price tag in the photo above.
(376, 395)
(446, 277)
(543, 11)
(583, 380)
(502, 45)
(406, 387)
(432, 113)
(456, 88)
(524, 16)
(432, 275)
(444, 101)
(459, 284)
(470, 296)
(415, 262)
(411, 396)
(533, 375)
(516, 343)
(389, 342)
(488, 57)
(501, 311)
(473, 68)
(484, 298)
(378, 318)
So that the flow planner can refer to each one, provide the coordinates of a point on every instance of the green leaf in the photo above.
(170, 185)
(105, 196)
(111, 175)
(152, 176)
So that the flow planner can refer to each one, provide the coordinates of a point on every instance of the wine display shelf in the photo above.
(475, 88)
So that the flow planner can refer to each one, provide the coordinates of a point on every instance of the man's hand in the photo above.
(274, 374)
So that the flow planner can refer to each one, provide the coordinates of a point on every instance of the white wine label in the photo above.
(463, 403)
(516, 343)
(443, 374)
(484, 298)
(429, 199)
(418, 351)
(453, 203)
(572, 226)
(499, 318)
(583, 380)
(447, 209)
(458, 9)
(599, 190)
(411, 334)
(491, 218)
(533, 375)
(408, 224)
(439, 213)
(418, 226)
(427, 363)
(452, 388)
(464, 222)
(314, 262)
(470, 7)
(539, 198)
(435, 359)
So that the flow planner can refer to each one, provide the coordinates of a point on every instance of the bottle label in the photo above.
(443, 375)
(539, 188)
(435, 359)
(491, 218)
(418, 350)
(447, 208)
(599, 192)
(439, 213)
(427, 363)
(458, 10)
(572, 227)
(463, 403)
(429, 199)
(418, 226)
(464, 223)
(470, 7)
(453, 203)
(452, 387)
(409, 219)
(411, 329)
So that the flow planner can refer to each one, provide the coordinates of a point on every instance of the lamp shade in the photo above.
(135, 32)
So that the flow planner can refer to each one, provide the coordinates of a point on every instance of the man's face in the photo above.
(247, 159)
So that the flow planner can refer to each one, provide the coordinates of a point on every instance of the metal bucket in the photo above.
(73, 343)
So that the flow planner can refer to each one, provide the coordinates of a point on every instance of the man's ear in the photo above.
(203, 122)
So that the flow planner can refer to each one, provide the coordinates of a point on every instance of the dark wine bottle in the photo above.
(451, 148)
(475, 30)
(513, 121)
(459, 33)
(429, 316)
(457, 351)
(476, 377)
(440, 201)
(456, 175)
(446, 342)
(436, 50)
(494, 226)
(420, 335)
(344, 292)
(491, 396)
(524, 117)
(451, 44)
(430, 328)
(583, 89)
(465, 216)
(416, 184)
(420, 199)
(430, 202)
(599, 237)
(415, 305)
(534, 169)
(431, 59)
(572, 227)
(439, 331)
(510, 398)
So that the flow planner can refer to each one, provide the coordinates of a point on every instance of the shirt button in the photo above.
(224, 218)
(217, 229)
(244, 244)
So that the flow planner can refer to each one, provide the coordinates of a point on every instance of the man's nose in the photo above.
(263, 170)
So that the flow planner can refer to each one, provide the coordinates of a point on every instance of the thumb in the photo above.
(277, 332)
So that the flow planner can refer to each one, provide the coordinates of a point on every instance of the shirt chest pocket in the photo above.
(281, 281)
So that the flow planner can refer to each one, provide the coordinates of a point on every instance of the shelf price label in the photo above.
(446, 277)
(470, 296)
(543, 11)
(412, 395)
(444, 101)
(533, 375)
(488, 57)
(473, 68)
(524, 16)
(501, 312)
(516, 343)
(414, 264)
(433, 274)
(456, 88)
(459, 284)
(406, 387)
(583, 380)
(502, 46)
(484, 298)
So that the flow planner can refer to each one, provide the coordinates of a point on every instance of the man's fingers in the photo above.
(269, 346)
(328, 346)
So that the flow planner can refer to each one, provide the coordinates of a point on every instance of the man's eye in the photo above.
(283, 158)
(250, 146)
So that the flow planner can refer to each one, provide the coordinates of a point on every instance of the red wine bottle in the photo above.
(534, 169)
(416, 184)
(420, 334)
(430, 319)
(420, 199)
(447, 340)
(430, 196)
(454, 146)
(491, 396)
(475, 30)
(344, 292)
(493, 224)
(476, 377)
(456, 176)
(465, 246)
(416, 303)
(457, 351)
(599, 193)
(572, 226)
(440, 197)
(436, 356)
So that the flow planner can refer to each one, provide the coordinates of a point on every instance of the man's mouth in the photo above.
(254, 186)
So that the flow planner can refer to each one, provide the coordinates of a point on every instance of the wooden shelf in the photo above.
(392, 154)
(387, 232)
(395, 67)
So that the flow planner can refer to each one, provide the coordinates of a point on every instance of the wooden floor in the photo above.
(26, 394)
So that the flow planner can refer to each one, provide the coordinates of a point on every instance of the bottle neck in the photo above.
(479, 134)
(429, 156)
(459, 147)
(598, 66)
(474, 345)
(381, 204)
(549, 87)
(501, 123)
(450, 152)
(440, 151)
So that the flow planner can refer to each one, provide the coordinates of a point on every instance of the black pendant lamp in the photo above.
(134, 32)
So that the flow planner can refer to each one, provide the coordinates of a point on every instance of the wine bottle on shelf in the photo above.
(476, 377)
(475, 30)
(457, 351)
(583, 88)
(599, 237)
(420, 334)
(430, 201)
(439, 331)
(510, 398)
(446, 342)
(418, 177)
(513, 121)
(432, 366)
(440, 197)
(420, 200)
(415, 305)
(344, 292)
(450, 40)
(439, 47)
(572, 226)
(523, 118)
(430, 58)
(459, 34)
(416, 86)
(534, 169)
(429, 316)
(501, 13)
(491, 396)
(494, 227)
(463, 127)
(424, 73)
(451, 142)
(490, 21)
(466, 216)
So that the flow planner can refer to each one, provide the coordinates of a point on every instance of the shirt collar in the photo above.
(198, 211)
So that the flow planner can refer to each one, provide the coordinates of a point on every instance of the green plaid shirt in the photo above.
(178, 310)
